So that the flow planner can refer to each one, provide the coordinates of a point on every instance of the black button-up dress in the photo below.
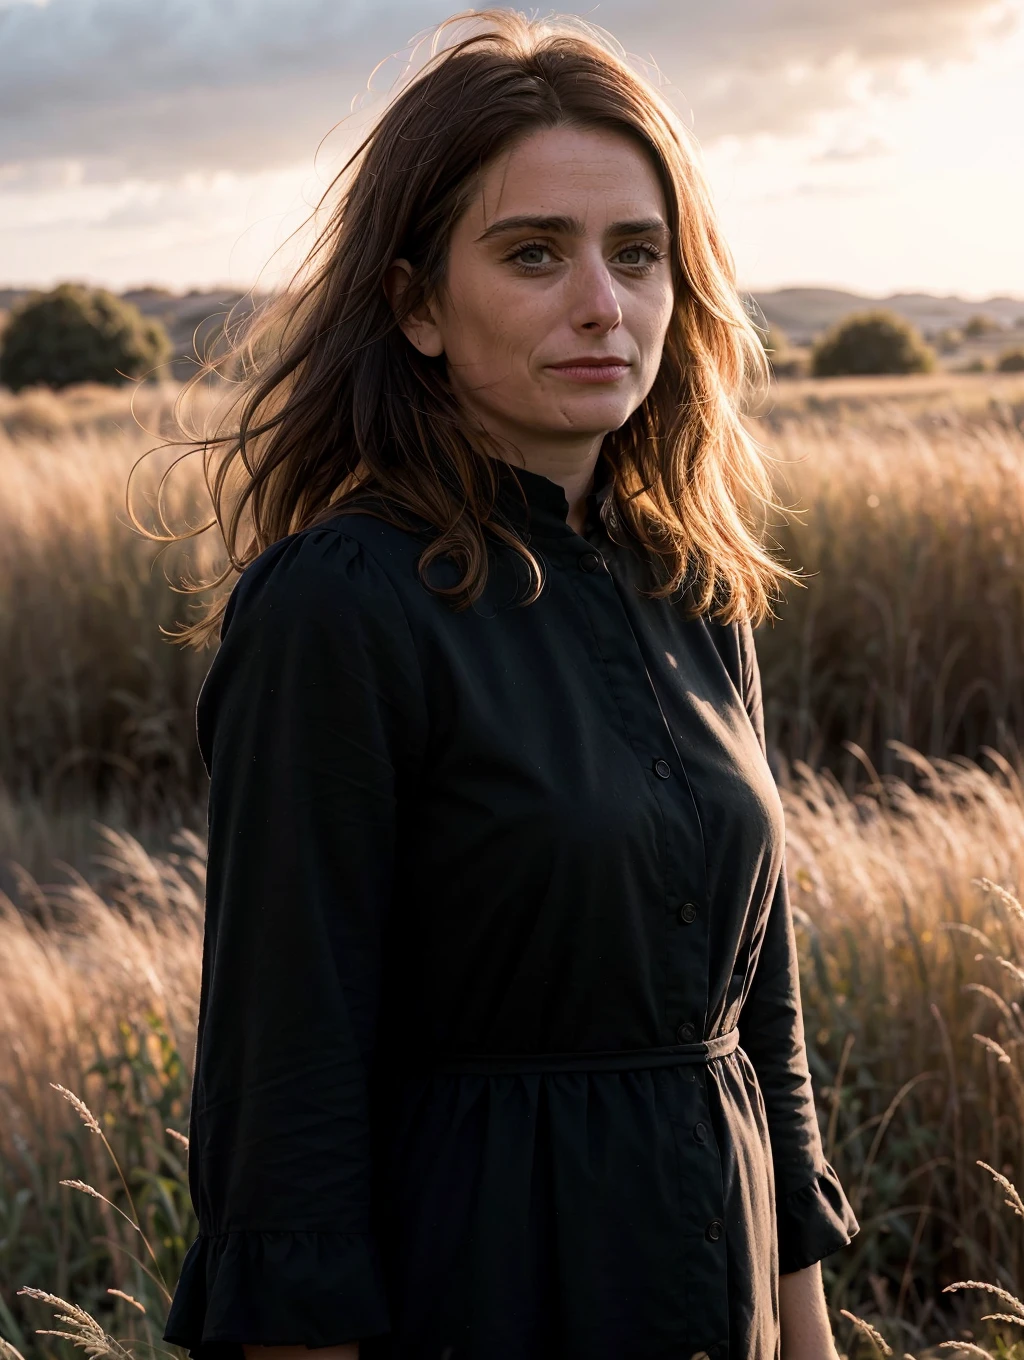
(500, 1051)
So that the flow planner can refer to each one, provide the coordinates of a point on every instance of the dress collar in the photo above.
(546, 503)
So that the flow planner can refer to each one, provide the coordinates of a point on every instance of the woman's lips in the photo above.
(593, 371)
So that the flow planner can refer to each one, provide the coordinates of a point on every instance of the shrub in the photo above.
(1011, 361)
(981, 324)
(949, 340)
(76, 334)
(871, 342)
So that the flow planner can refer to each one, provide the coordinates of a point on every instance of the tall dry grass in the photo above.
(910, 626)
(901, 946)
(968, 396)
(96, 706)
(40, 412)
(906, 958)
(910, 630)
(98, 995)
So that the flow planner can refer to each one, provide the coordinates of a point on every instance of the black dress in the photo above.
(500, 1051)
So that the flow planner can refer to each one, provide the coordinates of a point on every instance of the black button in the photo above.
(700, 1133)
(590, 561)
(687, 913)
(662, 769)
(686, 1033)
(714, 1230)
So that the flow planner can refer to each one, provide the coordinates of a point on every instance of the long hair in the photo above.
(334, 409)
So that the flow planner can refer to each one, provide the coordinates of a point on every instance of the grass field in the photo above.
(894, 683)
(911, 625)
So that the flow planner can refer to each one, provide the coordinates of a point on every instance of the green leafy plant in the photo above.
(75, 334)
(980, 325)
(875, 341)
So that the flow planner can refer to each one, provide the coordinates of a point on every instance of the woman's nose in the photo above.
(595, 304)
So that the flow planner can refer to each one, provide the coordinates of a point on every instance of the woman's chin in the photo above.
(589, 412)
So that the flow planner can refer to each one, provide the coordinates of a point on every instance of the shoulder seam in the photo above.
(334, 529)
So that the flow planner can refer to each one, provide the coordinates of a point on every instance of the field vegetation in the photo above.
(894, 684)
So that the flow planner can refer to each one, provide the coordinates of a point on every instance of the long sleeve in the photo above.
(311, 723)
(814, 1217)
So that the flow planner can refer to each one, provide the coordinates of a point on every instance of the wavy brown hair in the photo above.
(333, 409)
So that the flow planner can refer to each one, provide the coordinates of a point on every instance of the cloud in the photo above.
(812, 189)
(127, 87)
(869, 149)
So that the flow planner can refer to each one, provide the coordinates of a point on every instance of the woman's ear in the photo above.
(420, 325)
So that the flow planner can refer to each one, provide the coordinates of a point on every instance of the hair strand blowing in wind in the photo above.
(331, 408)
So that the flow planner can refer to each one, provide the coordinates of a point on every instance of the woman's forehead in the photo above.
(585, 177)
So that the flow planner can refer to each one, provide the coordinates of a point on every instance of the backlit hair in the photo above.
(333, 408)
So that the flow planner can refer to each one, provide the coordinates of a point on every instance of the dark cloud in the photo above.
(132, 87)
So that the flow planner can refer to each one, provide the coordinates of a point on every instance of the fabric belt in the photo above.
(615, 1060)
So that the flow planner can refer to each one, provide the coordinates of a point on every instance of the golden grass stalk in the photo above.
(84, 1332)
(877, 1340)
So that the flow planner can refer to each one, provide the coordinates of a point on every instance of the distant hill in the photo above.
(803, 313)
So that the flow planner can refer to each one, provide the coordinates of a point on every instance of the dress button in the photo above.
(590, 561)
(700, 1133)
(685, 1033)
(662, 769)
(714, 1230)
(687, 913)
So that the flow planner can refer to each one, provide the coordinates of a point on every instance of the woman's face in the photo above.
(559, 289)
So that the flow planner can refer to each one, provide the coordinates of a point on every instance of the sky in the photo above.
(874, 145)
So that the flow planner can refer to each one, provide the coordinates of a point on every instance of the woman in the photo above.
(500, 1048)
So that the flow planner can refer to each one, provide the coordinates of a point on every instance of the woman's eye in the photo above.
(531, 255)
(537, 256)
(638, 255)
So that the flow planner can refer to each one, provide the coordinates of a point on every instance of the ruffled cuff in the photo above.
(813, 1222)
(276, 1289)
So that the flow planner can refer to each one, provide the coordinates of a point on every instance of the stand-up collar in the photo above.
(546, 504)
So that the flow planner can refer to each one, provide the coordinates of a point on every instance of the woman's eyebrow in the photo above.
(644, 226)
(569, 226)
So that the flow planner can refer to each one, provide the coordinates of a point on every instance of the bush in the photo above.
(871, 342)
(949, 340)
(76, 334)
(1011, 361)
(981, 324)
